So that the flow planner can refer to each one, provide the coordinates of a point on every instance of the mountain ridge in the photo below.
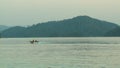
(3, 27)
(79, 26)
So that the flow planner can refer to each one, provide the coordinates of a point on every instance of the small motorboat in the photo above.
(34, 41)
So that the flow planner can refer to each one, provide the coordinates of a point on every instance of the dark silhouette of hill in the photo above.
(114, 32)
(2, 28)
(80, 26)
(16, 31)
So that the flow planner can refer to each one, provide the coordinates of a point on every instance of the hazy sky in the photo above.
(28, 12)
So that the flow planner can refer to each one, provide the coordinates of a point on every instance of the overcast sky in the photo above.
(28, 12)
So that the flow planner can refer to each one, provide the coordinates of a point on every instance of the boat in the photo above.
(34, 41)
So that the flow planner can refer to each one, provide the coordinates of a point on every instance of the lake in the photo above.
(71, 52)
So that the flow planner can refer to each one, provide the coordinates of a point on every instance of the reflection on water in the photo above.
(60, 53)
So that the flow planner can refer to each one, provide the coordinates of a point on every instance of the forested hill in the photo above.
(114, 33)
(2, 28)
(80, 26)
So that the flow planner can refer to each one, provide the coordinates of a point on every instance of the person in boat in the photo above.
(34, 41)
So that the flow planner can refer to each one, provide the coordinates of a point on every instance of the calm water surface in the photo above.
(91, 52)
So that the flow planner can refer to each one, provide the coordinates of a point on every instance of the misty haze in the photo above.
(59, 34)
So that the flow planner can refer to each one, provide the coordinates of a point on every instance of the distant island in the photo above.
(80, 26)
